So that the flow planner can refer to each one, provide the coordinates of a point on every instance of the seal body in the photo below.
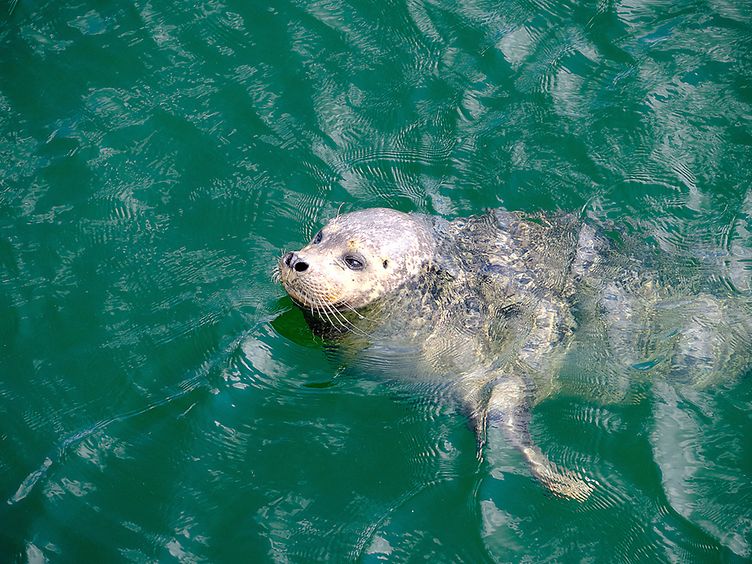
(488, 307)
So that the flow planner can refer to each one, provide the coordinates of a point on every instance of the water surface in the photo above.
(161, 400)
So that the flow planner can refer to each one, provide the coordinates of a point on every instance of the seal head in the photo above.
(357, 259)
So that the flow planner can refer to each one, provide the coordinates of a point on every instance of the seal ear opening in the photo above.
(385, 263)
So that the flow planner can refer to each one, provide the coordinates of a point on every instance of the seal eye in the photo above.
(354, 263)
(317, 238)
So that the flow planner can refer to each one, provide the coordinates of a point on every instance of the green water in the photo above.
(160, 398)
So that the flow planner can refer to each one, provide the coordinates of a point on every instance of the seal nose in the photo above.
(292, 260)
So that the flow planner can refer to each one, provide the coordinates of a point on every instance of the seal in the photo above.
(486, 306)
(357, 259)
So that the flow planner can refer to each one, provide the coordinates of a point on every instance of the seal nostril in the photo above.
(287, 259)
(300, 266)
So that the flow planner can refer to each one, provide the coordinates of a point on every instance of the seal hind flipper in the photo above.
(505, 419)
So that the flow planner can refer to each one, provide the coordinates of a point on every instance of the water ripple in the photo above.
(157, 160)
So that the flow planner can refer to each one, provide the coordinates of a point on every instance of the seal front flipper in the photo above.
(505, 421)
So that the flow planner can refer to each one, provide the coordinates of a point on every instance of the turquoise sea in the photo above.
(161, 399)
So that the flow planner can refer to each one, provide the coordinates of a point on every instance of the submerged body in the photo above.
(489, 306)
